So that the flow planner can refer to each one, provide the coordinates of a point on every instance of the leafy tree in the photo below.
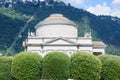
(27, 66)
(5, 68)
(110, 67)
(105, 28)
(56, 66)
(85, 66)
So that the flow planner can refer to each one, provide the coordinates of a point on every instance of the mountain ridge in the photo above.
(105, 28)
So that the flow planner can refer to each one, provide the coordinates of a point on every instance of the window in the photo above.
(97, 53)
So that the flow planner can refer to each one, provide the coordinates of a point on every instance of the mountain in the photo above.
(17, 18)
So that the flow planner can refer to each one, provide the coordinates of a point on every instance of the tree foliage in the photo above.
(26, 66)
(9, 27)
(110, 67)
(85, 66)
(5, 68)
(56, 66)
(105, 28)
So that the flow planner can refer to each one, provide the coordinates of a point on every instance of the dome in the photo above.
(56, 25)
(56, 19)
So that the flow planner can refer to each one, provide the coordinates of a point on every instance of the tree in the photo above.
(56, 66)
(85, 66)
(5, 68)
(110, 67)
(27, 66)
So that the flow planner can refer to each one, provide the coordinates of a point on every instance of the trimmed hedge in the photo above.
(85, 66)
(56, 66)
(26, 66)
(110, 67)
(5, 68)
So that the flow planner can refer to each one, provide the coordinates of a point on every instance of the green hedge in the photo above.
(110, 67)
(26, 66)
(85, 66)
(5, 68)
(56, 66)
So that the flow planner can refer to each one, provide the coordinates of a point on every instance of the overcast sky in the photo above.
(98, 7)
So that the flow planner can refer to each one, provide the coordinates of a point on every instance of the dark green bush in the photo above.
(85, 66)
(5, 68)
(26, 66)
(110, 67)
(56, 66)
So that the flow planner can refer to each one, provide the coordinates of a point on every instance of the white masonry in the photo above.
(57, 33)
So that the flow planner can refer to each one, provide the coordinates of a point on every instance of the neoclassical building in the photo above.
(58, 33)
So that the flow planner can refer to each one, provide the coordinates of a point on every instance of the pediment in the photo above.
(60, 41)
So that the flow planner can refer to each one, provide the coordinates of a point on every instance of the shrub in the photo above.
(56, 66)
(110, 67)
(85, 66)
(5, 68)
(26, 66)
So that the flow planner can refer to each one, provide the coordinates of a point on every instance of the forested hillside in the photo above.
(15, 15)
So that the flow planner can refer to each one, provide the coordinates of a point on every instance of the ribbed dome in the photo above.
(55, 19)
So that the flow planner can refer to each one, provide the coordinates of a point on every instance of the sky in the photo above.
(98, 7)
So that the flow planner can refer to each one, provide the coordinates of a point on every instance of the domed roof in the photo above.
(56, 19)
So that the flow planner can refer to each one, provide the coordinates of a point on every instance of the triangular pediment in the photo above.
(60, 41)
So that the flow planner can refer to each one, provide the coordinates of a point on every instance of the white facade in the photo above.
(57, 33)
(61, 30)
